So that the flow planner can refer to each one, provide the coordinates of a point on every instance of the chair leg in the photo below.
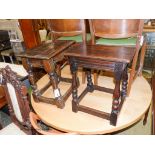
(3, 58)
(95, 77)
(132, 74)
(130, 82)
(11, 59)
(142, 56)
(146, 116)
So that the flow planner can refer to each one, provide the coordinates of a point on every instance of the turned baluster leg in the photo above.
(116, 93)
(89, 81)
(50, 69)
(28, 66)
(124, 83)
(75, 103)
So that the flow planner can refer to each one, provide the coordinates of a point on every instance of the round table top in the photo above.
(65, 120)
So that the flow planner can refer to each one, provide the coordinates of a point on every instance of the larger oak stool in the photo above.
(46, 56)
(108, 58)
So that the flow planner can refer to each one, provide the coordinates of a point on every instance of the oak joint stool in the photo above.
(108, 58)
(46, 56)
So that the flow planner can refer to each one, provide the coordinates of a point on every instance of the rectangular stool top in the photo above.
(47, 50)
(102, 52)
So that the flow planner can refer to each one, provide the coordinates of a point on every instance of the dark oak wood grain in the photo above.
(100, 52)
(46, 56)
(47, 50)
(110, 58)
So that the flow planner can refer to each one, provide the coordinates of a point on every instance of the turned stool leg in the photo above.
(89, 81)
(50, 69)
(28, 66)
(73, 69)
(124, 83)
(116, 94)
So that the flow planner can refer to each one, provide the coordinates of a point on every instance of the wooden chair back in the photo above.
(17, 99)
(67, 27)
(117, 29)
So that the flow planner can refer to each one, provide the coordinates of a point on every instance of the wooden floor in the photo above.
(64, 119)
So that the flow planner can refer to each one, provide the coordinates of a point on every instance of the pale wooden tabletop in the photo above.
(133, 109)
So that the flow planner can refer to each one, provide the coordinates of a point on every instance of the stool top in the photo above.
(103, 52)
(47, 50)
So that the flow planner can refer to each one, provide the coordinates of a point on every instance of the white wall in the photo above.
(11, 25)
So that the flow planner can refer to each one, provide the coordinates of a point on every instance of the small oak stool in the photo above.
(45, 56)
(109, 58)
(8, 53)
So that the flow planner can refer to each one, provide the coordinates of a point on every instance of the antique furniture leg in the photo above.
(132, 73)
(116, 93)
(124, 87)
(90, 87)
(142, 56)
(50, 69)
(28, 66)
(124, 83)
(73, 68)
(146, 116)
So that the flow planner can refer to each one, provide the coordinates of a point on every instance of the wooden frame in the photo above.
(67, 27)
(11, 78)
